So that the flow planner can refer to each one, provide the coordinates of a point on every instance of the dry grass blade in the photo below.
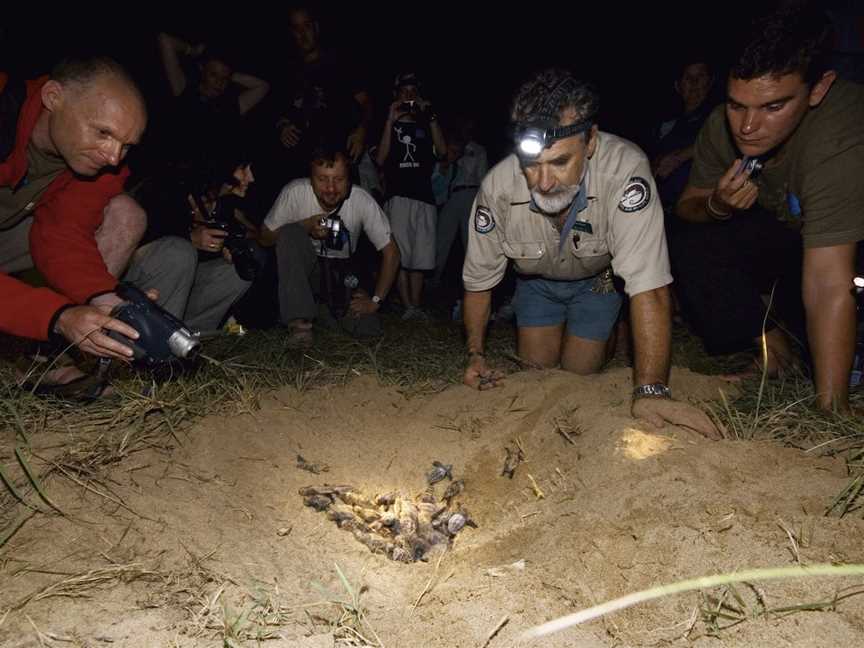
(78, 585)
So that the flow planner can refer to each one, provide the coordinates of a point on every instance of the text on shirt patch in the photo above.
(483, 220)
(637, 194)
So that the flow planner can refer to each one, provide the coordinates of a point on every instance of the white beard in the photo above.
(556, 202)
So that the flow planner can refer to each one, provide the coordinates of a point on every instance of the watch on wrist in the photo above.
(376, 299)
(654, 390)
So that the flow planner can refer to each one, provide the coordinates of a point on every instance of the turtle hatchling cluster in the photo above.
(402, 528)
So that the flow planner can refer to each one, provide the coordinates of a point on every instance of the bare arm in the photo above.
(364, 100)
(390, 259)
(267, 237)
(356, 142)
(476, 307)
(733, 191)
(651, 322)
(312, 225)
(170, 48)
(830, 306)
(256, 90)
(438, 138)
(383, 150)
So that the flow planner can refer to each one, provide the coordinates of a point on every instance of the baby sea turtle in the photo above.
(439, 472)
(458, 520)
(453, 490)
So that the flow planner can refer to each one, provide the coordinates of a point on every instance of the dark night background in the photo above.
(471, 57)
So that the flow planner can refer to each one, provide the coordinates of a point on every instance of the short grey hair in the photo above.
(550, 92)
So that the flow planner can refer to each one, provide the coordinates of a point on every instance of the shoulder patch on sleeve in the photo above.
(637, 194)
(484, 222)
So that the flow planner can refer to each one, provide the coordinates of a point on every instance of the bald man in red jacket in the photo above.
(63, 139)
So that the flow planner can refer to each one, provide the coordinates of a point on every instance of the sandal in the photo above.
(33, 376)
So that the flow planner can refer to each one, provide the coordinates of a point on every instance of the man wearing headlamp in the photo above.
(570, 207)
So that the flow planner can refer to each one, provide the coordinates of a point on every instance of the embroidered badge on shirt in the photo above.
(483, 220)
(637, 194)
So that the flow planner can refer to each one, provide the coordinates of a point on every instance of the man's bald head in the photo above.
(94, 112)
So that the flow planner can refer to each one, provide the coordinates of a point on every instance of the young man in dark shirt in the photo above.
(410, 142)
(802, 130)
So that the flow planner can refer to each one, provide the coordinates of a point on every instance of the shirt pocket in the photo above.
(588, 245)
(527, 255)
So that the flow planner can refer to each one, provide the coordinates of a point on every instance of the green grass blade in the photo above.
(35, 481)
(11, 486)
(635, 598)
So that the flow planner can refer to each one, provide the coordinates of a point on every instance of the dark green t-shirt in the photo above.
(816, 179)
(18, 203)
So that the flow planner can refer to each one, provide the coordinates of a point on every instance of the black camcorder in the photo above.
(162, 337)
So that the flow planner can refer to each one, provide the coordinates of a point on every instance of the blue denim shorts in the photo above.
(544, 302)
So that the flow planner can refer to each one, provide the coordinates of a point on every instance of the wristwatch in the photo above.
(654, 390)
(376, 299)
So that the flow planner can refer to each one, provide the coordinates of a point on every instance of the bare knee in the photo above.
(540, 346)
(124, 214)
(583, 356)
(123, 224)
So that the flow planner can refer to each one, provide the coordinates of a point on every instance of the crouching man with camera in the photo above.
(315, 224)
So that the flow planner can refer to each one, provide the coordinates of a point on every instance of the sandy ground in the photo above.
(215, 528)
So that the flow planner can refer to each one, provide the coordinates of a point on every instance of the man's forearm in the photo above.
(364, 101)
(169, 49)
(384, 145)
(831, 333)
(693, 206)
(827, 274)
(390, 260)
(651, 323)
(256, 90)
(438, 138)
(475, 314)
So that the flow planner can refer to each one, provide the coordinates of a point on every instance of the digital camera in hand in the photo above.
(337, 233)
(242, 249)
(162, 337)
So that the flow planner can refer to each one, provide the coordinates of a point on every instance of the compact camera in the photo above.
(753, 165)
(337, 233)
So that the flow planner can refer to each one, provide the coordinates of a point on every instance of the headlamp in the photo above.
(533, 137)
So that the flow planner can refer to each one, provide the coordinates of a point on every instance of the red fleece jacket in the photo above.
(62, 238)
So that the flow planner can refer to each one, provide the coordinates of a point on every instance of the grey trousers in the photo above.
(199, 293)
(298, 274)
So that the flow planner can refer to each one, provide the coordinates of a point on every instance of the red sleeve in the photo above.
(27, 311)
(63, 236)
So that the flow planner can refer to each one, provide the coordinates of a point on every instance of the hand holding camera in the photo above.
(161, 336)
(419, 109)
(736, 190)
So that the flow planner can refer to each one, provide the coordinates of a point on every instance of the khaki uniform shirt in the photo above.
(815, 182)
(624, 213)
